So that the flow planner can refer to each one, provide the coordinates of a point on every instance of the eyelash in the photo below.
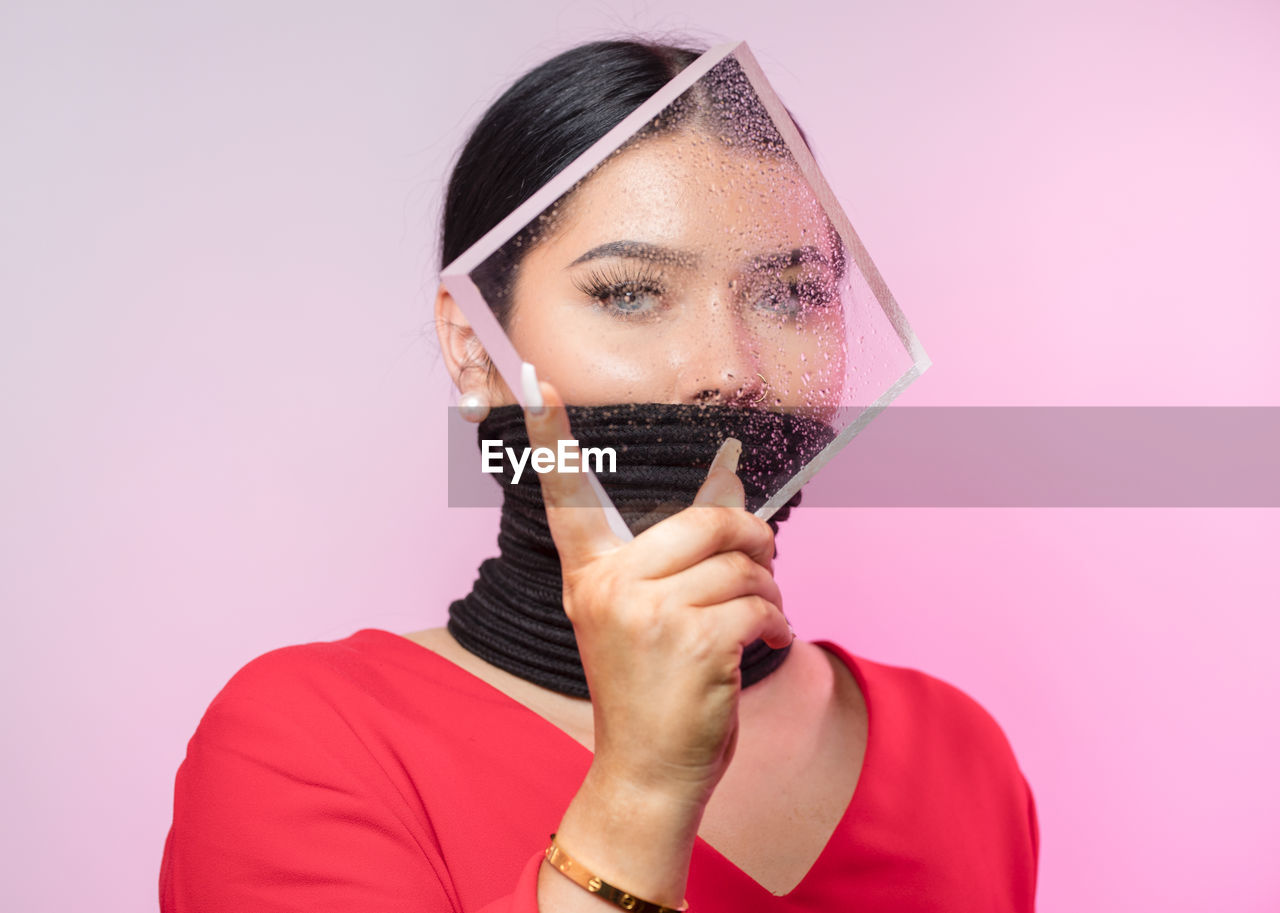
(813, 293)
(614, 281)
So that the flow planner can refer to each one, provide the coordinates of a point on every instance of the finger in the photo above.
(578, 524)
(695, 534)
(751, 618)
(724, 577)
(722, 486)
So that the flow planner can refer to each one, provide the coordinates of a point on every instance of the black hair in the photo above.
(555, 113)
(548, 118)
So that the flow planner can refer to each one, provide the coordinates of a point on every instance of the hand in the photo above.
(661, 621)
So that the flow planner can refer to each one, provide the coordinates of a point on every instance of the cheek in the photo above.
(826, 362)
(588, 364)
(618, 377)
(803, 370)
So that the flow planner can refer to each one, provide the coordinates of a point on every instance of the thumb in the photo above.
(722, 486)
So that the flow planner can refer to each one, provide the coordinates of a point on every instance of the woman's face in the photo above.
(684, 271)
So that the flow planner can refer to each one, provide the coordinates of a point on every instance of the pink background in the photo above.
(221, 403)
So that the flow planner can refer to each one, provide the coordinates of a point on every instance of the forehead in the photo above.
(689, 190)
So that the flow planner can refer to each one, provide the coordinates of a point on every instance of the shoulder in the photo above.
(335, 695)
(934, 727)
(919, 700)
(297, 743)
(328, 673)
(328, 714)
(315, 662)
(933, 739)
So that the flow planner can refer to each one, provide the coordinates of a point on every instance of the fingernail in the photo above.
(532, 393)
(729, 453)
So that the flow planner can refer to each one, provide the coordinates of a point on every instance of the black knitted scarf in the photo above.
(514, 618)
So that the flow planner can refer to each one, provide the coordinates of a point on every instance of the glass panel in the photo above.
(691, 278)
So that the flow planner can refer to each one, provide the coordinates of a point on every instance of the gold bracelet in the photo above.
(562, 861)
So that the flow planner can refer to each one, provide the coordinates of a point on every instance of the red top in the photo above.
(371, 775)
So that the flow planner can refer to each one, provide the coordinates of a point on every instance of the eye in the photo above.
(629, 299)
(796, 296)
(624, 292)
(778, 299)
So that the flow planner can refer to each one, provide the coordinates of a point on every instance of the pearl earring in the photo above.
(473, 406)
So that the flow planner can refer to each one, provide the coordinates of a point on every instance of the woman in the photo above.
(644, 700)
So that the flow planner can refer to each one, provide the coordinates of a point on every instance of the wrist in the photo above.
(654, 789)
(594, 884)
(632, 835)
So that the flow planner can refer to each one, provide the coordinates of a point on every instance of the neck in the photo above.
(514, 617)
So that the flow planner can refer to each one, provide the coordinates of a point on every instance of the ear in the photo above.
(457, 339)
(464, 355)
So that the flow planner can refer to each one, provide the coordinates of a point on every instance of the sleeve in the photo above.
(270, 818)
(1034, 824)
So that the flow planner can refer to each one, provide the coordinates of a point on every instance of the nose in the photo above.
(722, 364)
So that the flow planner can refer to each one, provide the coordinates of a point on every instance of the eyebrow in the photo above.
(807, 254)
(639, 250)
(643, 250)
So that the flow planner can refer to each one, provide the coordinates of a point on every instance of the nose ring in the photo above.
(764, 387)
